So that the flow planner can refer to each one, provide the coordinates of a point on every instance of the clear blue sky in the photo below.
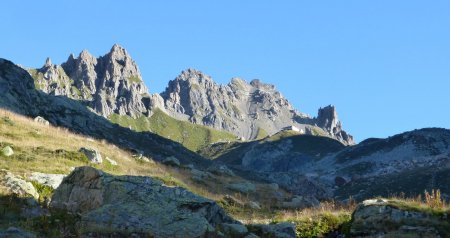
(385, 64)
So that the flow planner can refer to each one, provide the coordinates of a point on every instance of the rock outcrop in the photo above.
(384, 218)
(108, 84)
(245, 109)
(51, 180)
(136, 205)
(17, 185)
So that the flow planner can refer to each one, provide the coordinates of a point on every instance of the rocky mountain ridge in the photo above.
(245, 109)
(112, 84)
(323, 168)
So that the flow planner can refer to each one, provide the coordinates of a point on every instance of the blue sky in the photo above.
(385, 65)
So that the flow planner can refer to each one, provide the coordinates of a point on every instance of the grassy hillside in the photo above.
(192, 136)
(48, 149)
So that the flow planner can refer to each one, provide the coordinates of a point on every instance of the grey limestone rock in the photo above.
(382, 218)
(41, 120)
(136, 205)
(244, 109)
(17, 185)
(92, 154)
(7, 151)
(51, 180)
(242, 187)
(109, 84)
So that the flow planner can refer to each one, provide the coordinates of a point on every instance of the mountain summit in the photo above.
(112, 84)
(246, 109)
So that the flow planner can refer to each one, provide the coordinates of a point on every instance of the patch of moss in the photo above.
(261, 134)
(134, 79)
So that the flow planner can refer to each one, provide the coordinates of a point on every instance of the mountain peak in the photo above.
(86, 56)
(48, 62)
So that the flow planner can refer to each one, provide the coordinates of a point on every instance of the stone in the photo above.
(136, 204)
(233, 230)
(199, 175)
(171, 161)
(382, 218)
(14, 232)
(242, 187)
(92, 154)
(18, 185)
(51, 180)
(221, 169)
(111, 161)
(7, 151)
(253, 205)
(41, 120)
(279, 230)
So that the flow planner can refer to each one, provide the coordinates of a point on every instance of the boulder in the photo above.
(220, 169)
(280, 230)
(171, 161)
(253, 205)
(199, 176)
(41, 120)
(18, 186)
(14, 232)
(233, 230)
(242, 187)
(386, 218)
(51, 180)
(111, 161)
(7, 151)
(136, 205)
(92, 154)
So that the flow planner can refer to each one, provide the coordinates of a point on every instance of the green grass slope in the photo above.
(192, 136)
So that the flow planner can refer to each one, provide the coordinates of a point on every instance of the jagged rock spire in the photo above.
(48, 62)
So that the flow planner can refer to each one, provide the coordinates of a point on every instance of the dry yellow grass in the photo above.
(34, 145)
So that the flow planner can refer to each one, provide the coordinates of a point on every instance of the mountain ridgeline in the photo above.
(112, 86)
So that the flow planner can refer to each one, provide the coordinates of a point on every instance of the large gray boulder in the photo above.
(51, 180)
(93, 155)
(136, 205)
(242, 187)
(385, 218)
(17, 185)
(41, 120)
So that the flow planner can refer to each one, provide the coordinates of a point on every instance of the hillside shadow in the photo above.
(19, 95)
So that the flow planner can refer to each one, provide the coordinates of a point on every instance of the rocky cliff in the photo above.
(245, 109)
(112, 84)
(109, 84)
